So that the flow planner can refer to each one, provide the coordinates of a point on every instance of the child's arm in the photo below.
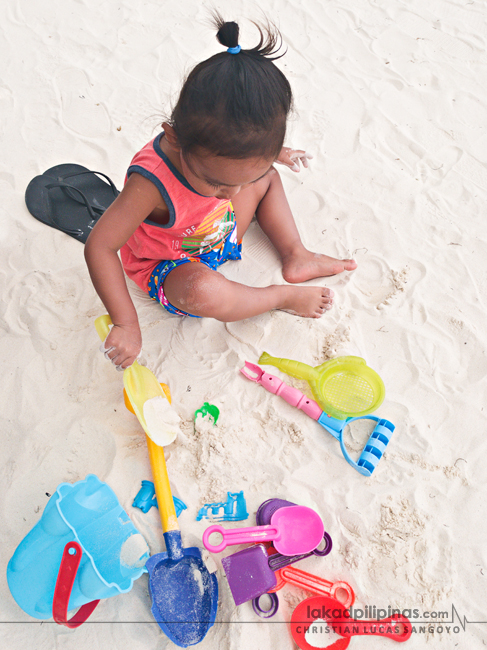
(135, 203)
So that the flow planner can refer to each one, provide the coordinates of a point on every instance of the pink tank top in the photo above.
(197, 223)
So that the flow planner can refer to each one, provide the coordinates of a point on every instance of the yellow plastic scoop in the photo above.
(343, 387)
(146, 397)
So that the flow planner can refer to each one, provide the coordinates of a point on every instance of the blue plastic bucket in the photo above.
(114, 552)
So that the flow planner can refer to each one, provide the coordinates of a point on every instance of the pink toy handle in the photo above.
(276, 386)
(234, 536)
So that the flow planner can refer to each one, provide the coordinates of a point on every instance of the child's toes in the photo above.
(324, 307)
(349, 265)
(326, 302)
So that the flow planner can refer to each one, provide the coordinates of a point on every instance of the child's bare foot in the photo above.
(305, 265)
(309, 302)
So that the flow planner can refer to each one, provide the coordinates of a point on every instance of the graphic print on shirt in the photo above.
(211, 232)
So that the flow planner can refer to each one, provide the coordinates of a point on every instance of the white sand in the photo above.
(392, 104)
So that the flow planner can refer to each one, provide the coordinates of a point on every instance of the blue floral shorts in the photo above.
(230, 249)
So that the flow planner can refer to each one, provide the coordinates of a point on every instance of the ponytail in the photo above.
(235, 104)
(227, 33)
(270, 37)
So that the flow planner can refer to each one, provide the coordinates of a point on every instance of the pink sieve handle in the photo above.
(276, 386)
(234, 536)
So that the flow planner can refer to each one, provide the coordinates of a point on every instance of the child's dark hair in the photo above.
(235, 105)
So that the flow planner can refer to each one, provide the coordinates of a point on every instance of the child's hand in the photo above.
(123, 345)
(291, 157)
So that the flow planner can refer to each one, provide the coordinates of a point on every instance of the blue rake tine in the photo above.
(376, 445)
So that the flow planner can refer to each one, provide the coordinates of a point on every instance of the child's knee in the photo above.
(202, 292)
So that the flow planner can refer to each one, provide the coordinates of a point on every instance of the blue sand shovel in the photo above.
(184, 593)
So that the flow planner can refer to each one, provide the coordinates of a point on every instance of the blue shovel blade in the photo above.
(184, 596)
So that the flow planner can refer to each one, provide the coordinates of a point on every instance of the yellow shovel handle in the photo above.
(162, 487)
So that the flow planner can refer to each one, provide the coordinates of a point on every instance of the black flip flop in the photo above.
(100, 194)
(49, 202)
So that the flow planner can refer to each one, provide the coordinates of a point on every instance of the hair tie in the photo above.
(234, 50)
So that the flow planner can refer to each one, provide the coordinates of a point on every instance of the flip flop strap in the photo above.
(64, 186)
(100, 210)
(107, 178)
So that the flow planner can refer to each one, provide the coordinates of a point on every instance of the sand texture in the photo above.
(391, 101)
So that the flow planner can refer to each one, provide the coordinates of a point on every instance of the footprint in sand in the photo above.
(260, 264)
(338, 108)
(81, 112)
(249, 332)
(381, 285)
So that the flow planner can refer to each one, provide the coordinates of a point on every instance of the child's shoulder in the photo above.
(149, 156)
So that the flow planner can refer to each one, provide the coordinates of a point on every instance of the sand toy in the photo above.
(145, 394)
(233, 509)
(248, 573)
(375, 445)
(324, 611)
(209, 411)
(251, 573)
(341, 591)
(146, 498)
(294, 530)
(184, 593)
(112, 553)
(277, 560)
(343, 387)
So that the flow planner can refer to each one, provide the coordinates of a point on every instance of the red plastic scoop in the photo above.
(311, 612)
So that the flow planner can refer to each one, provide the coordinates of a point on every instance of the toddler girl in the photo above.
(191, 193)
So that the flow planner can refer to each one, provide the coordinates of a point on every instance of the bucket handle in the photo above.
(64, 584)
